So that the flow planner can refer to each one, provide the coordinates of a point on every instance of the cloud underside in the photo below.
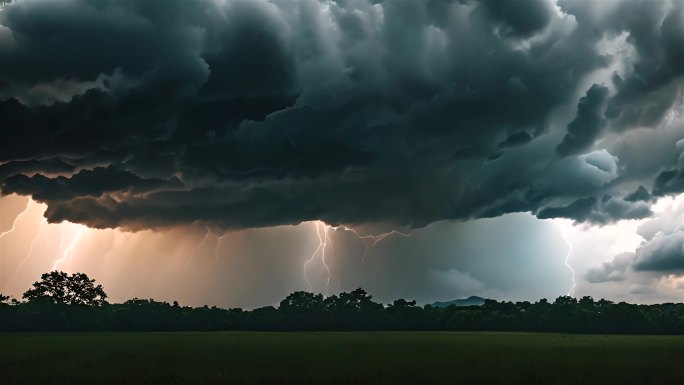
(253, 113)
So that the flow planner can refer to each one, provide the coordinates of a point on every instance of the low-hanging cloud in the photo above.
(246, 113)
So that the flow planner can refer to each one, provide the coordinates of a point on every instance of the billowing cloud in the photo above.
(672, 180)
(85, 183)
(662, 253)
(588, 123)
(256, 113)
(613, 270)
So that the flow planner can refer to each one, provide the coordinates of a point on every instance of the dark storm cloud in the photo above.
(578, 210)
(588, 123)
(86, 183)
(255, 113)
(608, 209)
(646, 95)
(520, 21)
(664, 253)
(516, 139)
(639, 194)
(671, 181)
(34, 166)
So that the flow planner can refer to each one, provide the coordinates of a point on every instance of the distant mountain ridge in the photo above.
(470, 301)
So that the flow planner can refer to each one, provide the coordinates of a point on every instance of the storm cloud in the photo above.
(656, 263)
(250, 113)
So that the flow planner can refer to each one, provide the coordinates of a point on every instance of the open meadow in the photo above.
(338, 358)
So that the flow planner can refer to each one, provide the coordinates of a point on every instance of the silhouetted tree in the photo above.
(587, 302)
(62, 288)
(357, 300)
(404, 314)
(302, 301)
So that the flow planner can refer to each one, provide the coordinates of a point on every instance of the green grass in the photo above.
(339, 358)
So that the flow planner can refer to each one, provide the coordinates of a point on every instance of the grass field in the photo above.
(339, 358)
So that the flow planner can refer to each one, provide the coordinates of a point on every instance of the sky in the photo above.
(229, 152)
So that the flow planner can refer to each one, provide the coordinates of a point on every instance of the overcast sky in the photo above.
(230, 152)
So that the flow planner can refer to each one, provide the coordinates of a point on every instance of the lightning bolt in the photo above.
(571, 291)
(16, 219)
(194, 249)
(14, 224)
(323, 233)
(69, 248)
(374, 238)
(216, 249)
(323, 239)
(28, 254)
(321, 244)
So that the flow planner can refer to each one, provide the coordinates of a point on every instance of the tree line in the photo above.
(63, 302)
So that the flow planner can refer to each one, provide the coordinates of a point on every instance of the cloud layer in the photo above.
(258, 113)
